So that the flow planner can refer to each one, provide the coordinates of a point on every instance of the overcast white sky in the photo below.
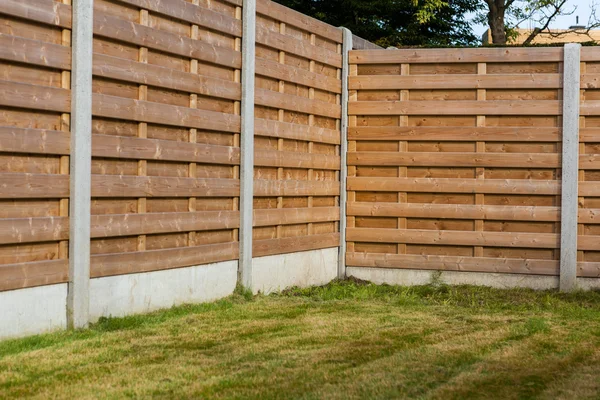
(583, 11)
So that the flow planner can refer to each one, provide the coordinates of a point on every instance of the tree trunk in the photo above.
(496, 20)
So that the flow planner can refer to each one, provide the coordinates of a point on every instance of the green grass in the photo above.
(346, 340)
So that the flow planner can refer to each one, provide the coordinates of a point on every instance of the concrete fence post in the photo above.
(247, 142)
(346, 47)
(80, 165)
(570, 167)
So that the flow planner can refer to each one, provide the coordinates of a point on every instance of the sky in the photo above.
(584, 8)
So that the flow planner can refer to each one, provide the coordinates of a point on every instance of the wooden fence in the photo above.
(455, 160)
(166, 129)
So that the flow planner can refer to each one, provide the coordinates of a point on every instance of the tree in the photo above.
(504, 16)
(397, 22)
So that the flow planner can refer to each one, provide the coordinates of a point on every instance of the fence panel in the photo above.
(297, 145)
(166, 128)
(454, 160)
(35, 64)
(589, 173)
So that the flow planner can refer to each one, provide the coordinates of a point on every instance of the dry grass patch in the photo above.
(346, 340)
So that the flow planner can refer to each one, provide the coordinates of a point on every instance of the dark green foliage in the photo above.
(396, 22)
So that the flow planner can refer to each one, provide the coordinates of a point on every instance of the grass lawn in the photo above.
(346, 340)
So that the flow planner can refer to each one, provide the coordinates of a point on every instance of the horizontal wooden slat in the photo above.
(455, 238)
(453, 263)
(36, 141)
(292, 216)
(118, 29)
(589, 135)
(289, 159)
(298, 47)
(47, 12)
(193, 14)
(473, 55)
(299, 76)
(461, 107)
(156, 260)
(33, 186)
(269, 98)
(166, 150)
(452, 185)
(590, 188)
(155, 186)
(28, 230)
(145, 111)
(589, 161)
(39, 273)
(290, 188)
(590, 81)
(590, 53)
(454, 211)
(590, 108)
(456, 81)
(589, 216)
(446, 159)
(154, 223)
(455, 134)
(286, 130)
(34, 52)
(588, 242)
(295, 244)
(298, 20)
(588, 269)
(45, 98)
(154, 75)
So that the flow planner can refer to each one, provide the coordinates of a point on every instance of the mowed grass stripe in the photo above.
(345, 340)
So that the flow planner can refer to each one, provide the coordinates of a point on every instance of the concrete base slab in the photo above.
(408, 277)
(31, 311)
(122, 295)
(309, 268)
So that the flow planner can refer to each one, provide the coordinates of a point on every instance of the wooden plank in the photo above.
(286, 130)
(118, 29)
(36, 141)
(590, 81)
(40, 273)
(456, 81)
(23, 95)
(29, 230)
(47, 12)
(455, 134)
(284, 101)
(155, 186)
(154, 75)
(293, 216)
(33, 186)
(166, 150)
(452, 185)
(588, 242)
(589, 216)
(456, 211)
(461, 107)
(295, 244)
(590, 108)
(589, 54)
(453, 263)
(447, 159)
(589, 135)
(289, 159)
(588, 269)
(473, 55)
(157, 260)
(298, 47)
(291, 188)
(154, 223)
(455, 238)
(150, 112)
(289, 73)
(34, 52)
(298, 20)
(194, 14)
(589, 189)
